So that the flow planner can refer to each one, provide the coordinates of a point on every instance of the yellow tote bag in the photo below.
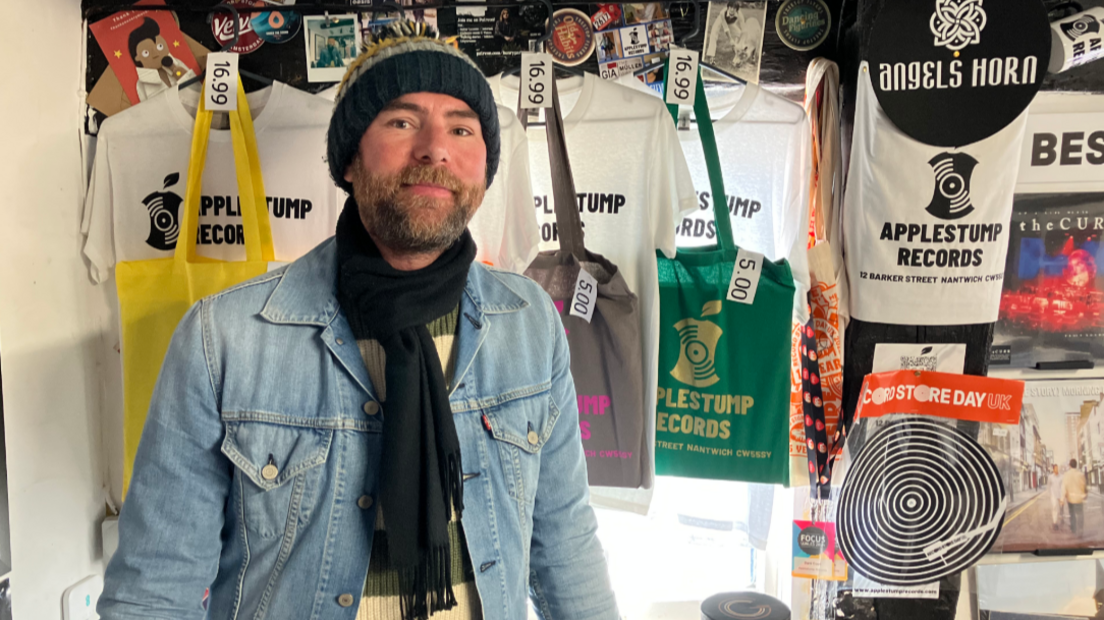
(155, 294)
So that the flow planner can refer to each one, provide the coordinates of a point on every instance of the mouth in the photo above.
(428, 189)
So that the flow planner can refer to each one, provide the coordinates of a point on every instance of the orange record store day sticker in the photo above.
(962, 397)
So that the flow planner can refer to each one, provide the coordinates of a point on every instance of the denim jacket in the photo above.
(268, 372)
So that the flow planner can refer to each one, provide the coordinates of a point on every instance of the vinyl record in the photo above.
(921, 501)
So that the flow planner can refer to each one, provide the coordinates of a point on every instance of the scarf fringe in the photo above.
(427, 588)
(454, 483)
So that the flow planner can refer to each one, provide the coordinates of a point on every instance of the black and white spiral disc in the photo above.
(921, 501)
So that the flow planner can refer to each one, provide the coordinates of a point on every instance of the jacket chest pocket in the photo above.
(520, 428)
(279, 473)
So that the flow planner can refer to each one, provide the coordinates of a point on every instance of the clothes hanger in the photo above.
(683, 42)
(246, 74)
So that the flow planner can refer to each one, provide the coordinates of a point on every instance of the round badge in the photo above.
(952, 72)
(572, 39)
(276, 26)
(803, 24)
(222, 25)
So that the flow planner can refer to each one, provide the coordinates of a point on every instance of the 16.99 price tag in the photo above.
(536, 80)
(745, 277)
(586, 295)
(221, 88)
(682, 76)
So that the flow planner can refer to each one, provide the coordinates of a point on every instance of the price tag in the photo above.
(586, 295)
(221, 89)
(536, 80)
(682, 76)
(745, 276)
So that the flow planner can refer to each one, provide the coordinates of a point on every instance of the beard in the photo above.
(409, 223)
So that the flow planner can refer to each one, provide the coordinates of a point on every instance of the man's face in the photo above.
(149, 53)
(420, 172)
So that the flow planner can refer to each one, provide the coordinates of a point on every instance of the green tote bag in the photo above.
(722, 410)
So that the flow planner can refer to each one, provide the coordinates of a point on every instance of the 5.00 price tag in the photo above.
(221, 88)
(682, 78)
(586, 295)
(745, 277)
(536, 80)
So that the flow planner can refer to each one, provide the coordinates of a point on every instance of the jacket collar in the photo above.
(307, 292)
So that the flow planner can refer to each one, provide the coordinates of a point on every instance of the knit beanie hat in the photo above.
(408, 59)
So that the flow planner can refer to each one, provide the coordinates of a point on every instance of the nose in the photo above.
(431, 146)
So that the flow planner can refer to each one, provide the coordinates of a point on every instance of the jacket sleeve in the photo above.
(170, 525)
(568, 575)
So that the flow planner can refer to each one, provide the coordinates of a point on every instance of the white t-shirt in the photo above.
(926, 227)
(763, 142)
(505, 227)
(633, 187)
(132, 211)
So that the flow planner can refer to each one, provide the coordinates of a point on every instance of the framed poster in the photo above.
(1052, 298)
(1053, 467)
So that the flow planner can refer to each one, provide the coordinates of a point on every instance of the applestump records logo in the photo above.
(164, 209)
(957, 23)
(1086, 24)
(697, 348)
(951, 199)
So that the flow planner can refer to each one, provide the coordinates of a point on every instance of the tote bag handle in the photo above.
(568, 222)
(251, 194)
(712, 161)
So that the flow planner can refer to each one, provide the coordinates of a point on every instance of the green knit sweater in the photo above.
(381, 589)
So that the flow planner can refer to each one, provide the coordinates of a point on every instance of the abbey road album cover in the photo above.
(1052, 300)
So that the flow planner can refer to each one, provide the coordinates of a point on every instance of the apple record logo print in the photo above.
(164, 208)
(921, 501)
(951, 199)
(1086, 24)
(952, 72)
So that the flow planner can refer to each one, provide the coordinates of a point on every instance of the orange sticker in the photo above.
(946, 395)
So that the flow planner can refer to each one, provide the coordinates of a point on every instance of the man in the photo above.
(1073, 494)
(743, 35)
(330, 56)
(157, 68)
(1054, 486)
(384, 425)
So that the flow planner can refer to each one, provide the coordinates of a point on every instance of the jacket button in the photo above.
(365, 502)
(345, 600)
(269, 472)
(340, 341)
(371, 407)
(534, 438)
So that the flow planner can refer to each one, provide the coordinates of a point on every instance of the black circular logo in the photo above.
(952, 72)
(803, 24)
(812, 540)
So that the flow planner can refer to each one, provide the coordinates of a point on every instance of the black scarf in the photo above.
(420, 480)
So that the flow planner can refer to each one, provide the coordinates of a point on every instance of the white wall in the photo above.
(49, 314)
